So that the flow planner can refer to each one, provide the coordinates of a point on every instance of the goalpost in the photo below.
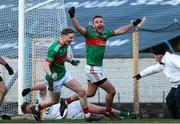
(36, 22)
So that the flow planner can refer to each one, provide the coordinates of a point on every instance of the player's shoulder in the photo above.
(55, 46)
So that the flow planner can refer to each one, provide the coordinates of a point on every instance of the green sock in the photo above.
(124, 114)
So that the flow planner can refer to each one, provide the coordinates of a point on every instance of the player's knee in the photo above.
(82, 92)
(112, 92)
(90, 94)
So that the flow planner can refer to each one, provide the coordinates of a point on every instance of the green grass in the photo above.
(102, 121)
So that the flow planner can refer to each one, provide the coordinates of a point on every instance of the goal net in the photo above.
(8, 50)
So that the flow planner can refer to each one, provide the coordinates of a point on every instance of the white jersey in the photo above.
(170, 67)
(74, 111)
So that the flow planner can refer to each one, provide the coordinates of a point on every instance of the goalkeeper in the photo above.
(3, 88)
(74, 109)
(170, 65)
(96, 40)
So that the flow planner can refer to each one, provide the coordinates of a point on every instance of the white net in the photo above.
(8, 50)
(42, 25)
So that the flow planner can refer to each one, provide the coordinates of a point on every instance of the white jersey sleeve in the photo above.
(151, 70)
(175, 59)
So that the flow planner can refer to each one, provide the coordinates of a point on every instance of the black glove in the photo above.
(5, 117)
(26, 91)
(138, 76)
(10, 70)
(135, 23)
(75, 62)
(71, 12)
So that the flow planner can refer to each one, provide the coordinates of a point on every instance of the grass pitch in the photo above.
(156, 121)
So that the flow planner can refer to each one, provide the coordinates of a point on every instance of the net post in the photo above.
(135, 38)
(20, 54)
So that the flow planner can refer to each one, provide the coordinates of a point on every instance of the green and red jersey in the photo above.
(95, 46)
(56, 56)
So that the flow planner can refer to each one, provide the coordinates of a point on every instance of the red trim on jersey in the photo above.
(61, 58)
(47, 60)
(96, 41)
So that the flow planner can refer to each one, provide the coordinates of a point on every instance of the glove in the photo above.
(10, 70)
(71, 12)
(75, 62)
(6, 117)
(26, 91)
(138, 76)
(135, 23)
(54, 76)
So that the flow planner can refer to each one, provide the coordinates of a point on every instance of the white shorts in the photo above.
(95, 73)
(59, 83)
(75, 111)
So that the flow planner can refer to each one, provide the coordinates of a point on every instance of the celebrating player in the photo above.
(96, 38)
(170, 65)
(57, 76)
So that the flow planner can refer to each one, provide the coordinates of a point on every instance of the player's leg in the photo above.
(91, 90)
(3, 90)
(177, 98)
(75, 86)
(170, 101)
(110, 93)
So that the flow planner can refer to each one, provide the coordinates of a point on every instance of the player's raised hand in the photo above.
(75, 62)
(10, 70)
(138, 20)
(137, 77)
(71, 11)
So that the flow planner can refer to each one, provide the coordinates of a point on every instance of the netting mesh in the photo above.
(8, 50)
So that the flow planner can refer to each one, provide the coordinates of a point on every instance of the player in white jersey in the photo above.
(73, 111)
(170, 65)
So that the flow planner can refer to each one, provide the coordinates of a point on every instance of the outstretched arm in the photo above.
(40, 86)
(126, 28)
(75, 22)
(149, 71)
(23, 117)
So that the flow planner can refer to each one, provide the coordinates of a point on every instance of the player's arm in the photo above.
(126, 28)
(40, 86)
(175, 60)
(9, 68)
(149, 71)
(72, 61)
(24, 117)
(75, 22)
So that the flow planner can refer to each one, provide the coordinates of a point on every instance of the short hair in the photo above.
(159, 50)
(97, 16)
(23, 106)
(66, 31)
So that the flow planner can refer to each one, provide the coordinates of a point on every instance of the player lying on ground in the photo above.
(170, 65)
(3, 89)
(74, 109)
